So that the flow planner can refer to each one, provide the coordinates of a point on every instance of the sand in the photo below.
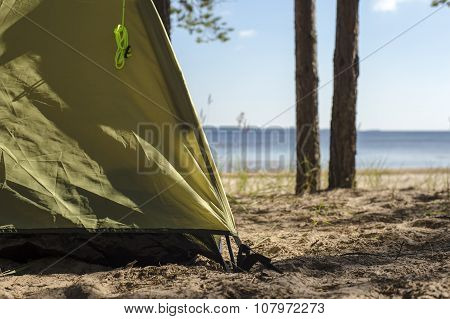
(386, 240)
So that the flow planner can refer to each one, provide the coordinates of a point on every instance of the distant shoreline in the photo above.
(254, 127)
(360, 171)
(274, 149)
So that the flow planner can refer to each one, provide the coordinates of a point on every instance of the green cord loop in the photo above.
(121, 35)
(123, 47)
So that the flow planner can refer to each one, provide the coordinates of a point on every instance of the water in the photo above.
(274, 149)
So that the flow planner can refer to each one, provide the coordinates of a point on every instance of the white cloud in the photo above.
(391, 5)
(250, 33)
(385, 5)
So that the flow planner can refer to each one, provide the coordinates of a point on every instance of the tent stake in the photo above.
(230, 250)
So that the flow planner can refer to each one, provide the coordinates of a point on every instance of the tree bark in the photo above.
(308, 143)
(163, 7)
(346, 71)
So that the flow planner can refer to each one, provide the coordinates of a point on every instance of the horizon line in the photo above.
(328, 129)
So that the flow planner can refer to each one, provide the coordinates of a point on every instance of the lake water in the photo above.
(273, 149)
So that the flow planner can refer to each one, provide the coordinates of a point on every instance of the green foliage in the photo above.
(436, 3)
(198, 18)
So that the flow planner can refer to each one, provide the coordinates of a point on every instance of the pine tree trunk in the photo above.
(163, 7)
(308, 144)
(346, 72)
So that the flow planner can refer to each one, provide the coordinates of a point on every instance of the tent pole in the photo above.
(230, 250)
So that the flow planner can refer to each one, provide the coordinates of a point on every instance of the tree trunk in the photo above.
(308, 144)
(346, 72)
(163, 7)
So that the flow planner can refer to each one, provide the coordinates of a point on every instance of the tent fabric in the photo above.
(74, 130)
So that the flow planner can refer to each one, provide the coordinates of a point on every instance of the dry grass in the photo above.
(368, 179)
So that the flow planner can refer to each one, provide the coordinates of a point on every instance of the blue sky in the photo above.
(405, 86)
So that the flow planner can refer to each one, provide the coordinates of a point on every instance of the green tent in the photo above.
(103, 160)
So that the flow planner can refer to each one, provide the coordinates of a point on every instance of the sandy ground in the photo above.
(390, 240)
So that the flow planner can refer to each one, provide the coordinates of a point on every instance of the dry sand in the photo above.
(391, 240)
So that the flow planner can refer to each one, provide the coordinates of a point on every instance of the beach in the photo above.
(388, 238)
